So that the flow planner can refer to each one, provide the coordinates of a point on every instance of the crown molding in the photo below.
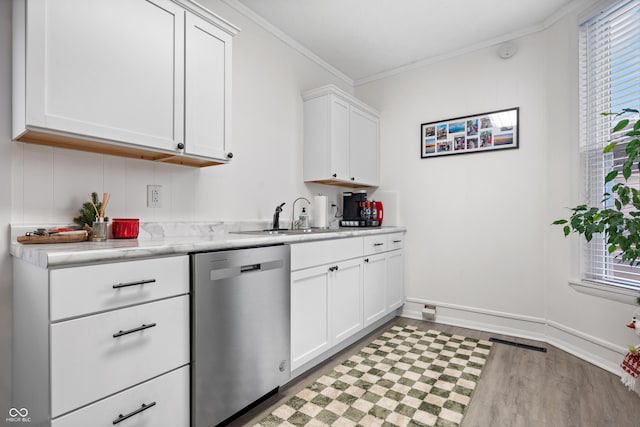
(575, 5)
(266, 25)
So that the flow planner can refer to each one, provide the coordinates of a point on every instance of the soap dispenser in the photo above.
(304, 219)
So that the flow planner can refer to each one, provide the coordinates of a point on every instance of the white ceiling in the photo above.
(367, 39)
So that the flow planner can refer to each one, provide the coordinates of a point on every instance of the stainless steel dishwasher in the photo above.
(240, 334)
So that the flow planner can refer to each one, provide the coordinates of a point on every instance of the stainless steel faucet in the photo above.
(276, 216)
(293, 210)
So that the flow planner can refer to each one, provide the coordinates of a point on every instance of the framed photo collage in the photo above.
(495, 130)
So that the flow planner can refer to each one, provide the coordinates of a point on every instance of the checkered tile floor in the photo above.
(406, 377)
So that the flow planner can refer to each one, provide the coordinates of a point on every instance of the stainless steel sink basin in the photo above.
(286, 232)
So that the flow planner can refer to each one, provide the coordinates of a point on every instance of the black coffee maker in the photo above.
(354, 212)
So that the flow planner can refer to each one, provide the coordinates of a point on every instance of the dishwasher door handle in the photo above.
(231, 272)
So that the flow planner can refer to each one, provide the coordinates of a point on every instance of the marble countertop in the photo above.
(158, 240)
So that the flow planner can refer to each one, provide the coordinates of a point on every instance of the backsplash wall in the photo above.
(50, 184)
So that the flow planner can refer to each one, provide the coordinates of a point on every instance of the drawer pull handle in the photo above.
(334, 268)
(397, 241)
(130, 331)
(144, 407)
(378, 244)
(141, 282)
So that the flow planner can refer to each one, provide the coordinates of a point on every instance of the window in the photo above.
(609, 82)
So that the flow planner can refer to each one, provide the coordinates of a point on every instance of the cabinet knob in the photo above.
(180, 146)
(229, 155)
(335, 175)
(366, 260)
(353, 178)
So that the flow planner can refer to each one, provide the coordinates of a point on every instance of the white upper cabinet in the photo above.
(341, 139)
(208, 89)
(138, 78)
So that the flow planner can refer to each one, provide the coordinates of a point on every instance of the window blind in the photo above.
(609, 82)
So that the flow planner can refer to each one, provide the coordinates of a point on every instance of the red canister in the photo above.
(380, 212)
(125, 228)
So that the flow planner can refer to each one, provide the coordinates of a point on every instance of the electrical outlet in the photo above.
(154, 196)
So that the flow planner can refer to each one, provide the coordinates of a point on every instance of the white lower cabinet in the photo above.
(358, 282)
(84, 356)
(163, 401)
(326, 308)
(395, 279)
(375, 288)
(345, 295)
(309, 314)
(119, 348)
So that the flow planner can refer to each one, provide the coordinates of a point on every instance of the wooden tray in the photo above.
(65, 238)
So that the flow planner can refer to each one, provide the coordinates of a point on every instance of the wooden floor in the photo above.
(519, 387)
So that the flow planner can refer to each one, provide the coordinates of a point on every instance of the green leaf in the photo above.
(612, 248)
(610, 147)
(626, 172)
(636, 126)
(621, 125)
(559, 221)
(566, 230)
(611, 176)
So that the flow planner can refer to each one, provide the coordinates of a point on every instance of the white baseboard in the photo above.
(594, 350)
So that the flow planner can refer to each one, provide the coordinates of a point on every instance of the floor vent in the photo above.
(517, 344)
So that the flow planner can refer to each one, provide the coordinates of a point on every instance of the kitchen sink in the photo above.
(287, 232)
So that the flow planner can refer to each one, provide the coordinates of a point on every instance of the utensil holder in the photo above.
(99, 231)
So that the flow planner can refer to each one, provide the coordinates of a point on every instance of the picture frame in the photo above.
(491, 131)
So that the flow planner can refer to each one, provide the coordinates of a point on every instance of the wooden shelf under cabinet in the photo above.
(109, 148)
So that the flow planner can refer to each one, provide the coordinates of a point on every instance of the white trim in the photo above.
(556, 16)
(204, 13)
(610, 292)
(335, 90)
(494, 313)
(592, 349)
(235, 4)
(439, 58)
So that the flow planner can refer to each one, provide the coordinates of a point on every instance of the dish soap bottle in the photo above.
(304, 219)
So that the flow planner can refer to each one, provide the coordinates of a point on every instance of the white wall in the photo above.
(49, 185)
(5, 206)
(480, 244)
(466, 245)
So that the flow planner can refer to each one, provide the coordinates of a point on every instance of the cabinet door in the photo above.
(166, 401)
(98, 355)
(309, 315)
(374, 288)
(395, 280)
(346, 300)
(363, 147)
(107, 69)
(339, 139)
(208, 89)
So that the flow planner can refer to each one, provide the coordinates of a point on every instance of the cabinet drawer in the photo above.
(395, 241)
(89, 363)
(169, 393)
(83, 290)
(375, 244)
(311, 254)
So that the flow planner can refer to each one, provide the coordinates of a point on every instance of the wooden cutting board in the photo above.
(54, 238)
